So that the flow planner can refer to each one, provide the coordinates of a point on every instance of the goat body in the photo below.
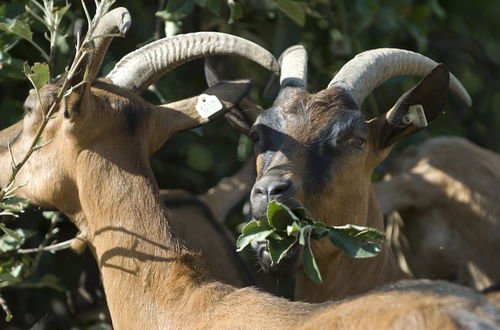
(445, 191)
(96, 171)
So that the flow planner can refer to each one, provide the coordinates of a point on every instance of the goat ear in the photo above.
(183, 115)
(244, 115)
(79, 85)
(420, 105)
(240, 117)
(211, 75)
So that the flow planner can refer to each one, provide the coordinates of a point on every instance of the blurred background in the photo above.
(62, 289)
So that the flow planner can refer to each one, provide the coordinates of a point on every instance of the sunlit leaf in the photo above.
(38, 74)
(18, 28)
(279, 248)
(292, 9)
(356, 247)
(310, 267)
(279, 216)
(253, 231)
(235, 12)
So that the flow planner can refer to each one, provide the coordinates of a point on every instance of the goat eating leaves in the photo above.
(317, 151)
(97, 172)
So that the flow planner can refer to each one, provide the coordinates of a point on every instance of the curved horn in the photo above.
(117, 21)
(293, 63)
(141, 68)
(365, 72)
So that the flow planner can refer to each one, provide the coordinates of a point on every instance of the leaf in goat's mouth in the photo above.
(285, 228)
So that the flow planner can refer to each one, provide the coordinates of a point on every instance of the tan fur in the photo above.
(96, 170)
(446, 191)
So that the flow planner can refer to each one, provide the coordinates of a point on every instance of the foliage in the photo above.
(460, 33)
(285, 228)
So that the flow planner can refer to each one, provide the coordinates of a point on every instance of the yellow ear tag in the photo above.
(415, 116)
(208, 105)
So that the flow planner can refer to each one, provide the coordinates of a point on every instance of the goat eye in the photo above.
(27, 109)
(254, 136)
(357, 142)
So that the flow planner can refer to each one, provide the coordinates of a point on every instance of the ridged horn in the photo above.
(141, 68)
(365, 72)
(116, 21)
(293, 63)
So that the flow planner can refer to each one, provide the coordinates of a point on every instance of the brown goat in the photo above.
(317, 151)
(96, 171)
(198, 220)
(445, 191)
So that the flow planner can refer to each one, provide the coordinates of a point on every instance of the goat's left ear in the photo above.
(185, 114)
(417, 107)
(79, 87)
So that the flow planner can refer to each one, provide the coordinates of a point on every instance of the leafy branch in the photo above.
(285, 228)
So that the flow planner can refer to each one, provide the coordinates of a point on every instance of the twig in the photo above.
(50, 248)
(6, 309)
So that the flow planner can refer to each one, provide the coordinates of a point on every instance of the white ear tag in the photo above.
(208, 105)
(415, 116)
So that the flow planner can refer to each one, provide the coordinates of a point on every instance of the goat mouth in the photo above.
(288, 265)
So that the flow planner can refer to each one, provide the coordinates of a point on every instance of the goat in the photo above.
(445, 191)
(318, 152)
(198, 220)
(96, 171)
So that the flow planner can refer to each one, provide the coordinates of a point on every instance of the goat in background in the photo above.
(445, 192)
(96, 171)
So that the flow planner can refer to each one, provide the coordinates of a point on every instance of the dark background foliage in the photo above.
(460, 33)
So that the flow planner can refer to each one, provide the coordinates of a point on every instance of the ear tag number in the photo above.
(415, 116)
(208, 105)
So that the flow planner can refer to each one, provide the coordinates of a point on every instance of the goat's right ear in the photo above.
(420, 105)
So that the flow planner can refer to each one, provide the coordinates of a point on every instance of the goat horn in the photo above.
(117, 21)
(293, 63)
(365, 72)
(141, 68)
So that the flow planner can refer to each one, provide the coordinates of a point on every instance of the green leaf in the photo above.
(47, 281)
(18, 28)
(213, 6)
(14, 204)
(359, 231)
(253, 231)
(236, 12)
(184, 7)
(292, 9)
(356, 247)
(310, 267)
(17, 234)
(304, 233)
(279, 248)
(294, 229)
(62, 11)
(38, 74)
(279, 216)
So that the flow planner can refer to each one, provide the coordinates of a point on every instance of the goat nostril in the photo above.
(260, 190)
(277, 188)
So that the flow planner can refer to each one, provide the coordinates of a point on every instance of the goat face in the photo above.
(104, 121)
(317, 151)
(312, 152)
